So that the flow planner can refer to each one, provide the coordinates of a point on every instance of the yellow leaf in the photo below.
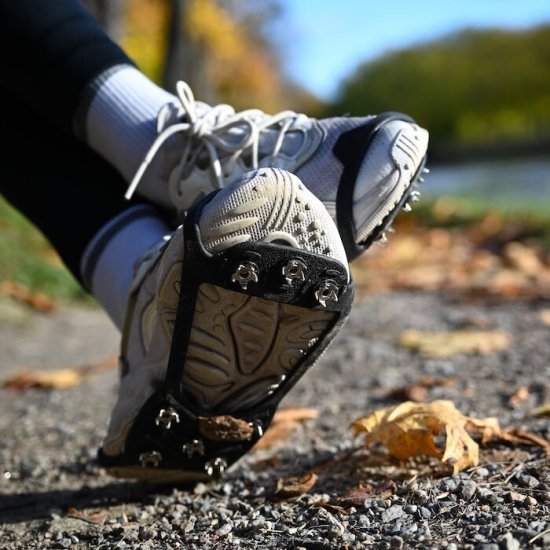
(545, 316)
(283, 424)
(59, 379)
(408, 430)
(446, 344)
(51, 379)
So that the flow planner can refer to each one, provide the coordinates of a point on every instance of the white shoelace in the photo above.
(211, 129)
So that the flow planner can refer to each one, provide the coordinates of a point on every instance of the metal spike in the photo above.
(246, 272)
(165, 418)
(193, 447)
(383, 239)
(421, 179)
(407, 207)
(294, 269)
(215, 468)
(327, 292)
(426, 170)
(150, 458)
(415, 196)
(390, 230)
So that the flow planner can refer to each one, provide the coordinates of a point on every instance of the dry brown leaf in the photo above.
(296, 485)
(517, 436)
(545, 316)
(36, 300)
(514, 456)
(518, 397)
(284, 422)
(225, 428)
(446, 344)
(97, 519)
(523, 258)
(418, 391)
(543, 410)
(356, 496)
(59, 379)
(408, 430)
(294, 414)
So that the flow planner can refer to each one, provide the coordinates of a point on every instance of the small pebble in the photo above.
(397, 542)
(468, 489)
(393, 513)
(424, 513)
(508, 542)
(528, 481)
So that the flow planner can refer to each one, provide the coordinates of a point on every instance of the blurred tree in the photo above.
(222, 48)
(475, 88)
(110, 13)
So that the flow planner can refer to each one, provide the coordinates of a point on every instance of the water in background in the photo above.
(506, 184)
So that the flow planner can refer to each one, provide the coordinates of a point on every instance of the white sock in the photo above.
(107, 265)
(118, 115)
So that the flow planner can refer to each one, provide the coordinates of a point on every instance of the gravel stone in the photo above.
(468, 489)
(526, 480)
(393, 513)
(56, 434)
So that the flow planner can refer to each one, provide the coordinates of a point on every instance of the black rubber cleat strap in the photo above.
(184, 446)
(350, 149)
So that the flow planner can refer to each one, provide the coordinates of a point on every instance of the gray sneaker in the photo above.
(224, 318)
(364, 169)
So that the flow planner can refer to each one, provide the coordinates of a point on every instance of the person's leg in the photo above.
(57, 58)
(75, 198)
(363, 169)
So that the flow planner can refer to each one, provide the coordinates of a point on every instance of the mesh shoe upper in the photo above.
(204, 148)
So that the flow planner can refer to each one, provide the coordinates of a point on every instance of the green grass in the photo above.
(27, 258)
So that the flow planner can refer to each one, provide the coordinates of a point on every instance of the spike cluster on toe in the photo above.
(411, 197)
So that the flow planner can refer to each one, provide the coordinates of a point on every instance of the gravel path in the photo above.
(54, 496)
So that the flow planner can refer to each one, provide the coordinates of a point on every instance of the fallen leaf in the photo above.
(446, 344)
(294, 414)
(522, 258)
(284, 422)
(545, 316)
(357, 495)
(408, 430)
(97, 519)
(517, 436)
(296, 485)
(543, 410)
(418, 391)
(58, 379)
(225, 428)
(493, 456)
(519, 397)
(36, 300)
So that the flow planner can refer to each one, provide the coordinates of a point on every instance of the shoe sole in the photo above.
(247, 327)
(351, 149)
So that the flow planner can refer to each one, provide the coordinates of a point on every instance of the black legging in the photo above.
(52, 50)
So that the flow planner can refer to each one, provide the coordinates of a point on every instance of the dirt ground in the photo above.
(53, 495)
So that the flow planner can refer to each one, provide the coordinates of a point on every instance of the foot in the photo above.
(363, 169)
(223, 320)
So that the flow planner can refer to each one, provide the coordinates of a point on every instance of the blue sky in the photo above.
(326, 39)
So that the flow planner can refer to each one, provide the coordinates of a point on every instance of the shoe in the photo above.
(224, 318)
(364, 169)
